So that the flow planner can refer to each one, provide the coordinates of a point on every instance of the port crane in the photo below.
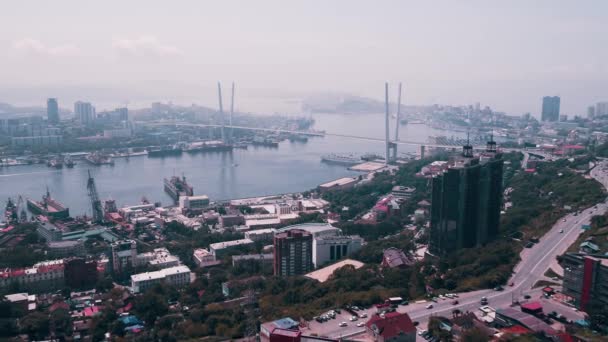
(95, 202)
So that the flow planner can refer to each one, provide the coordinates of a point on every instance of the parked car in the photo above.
(430, 306)
(360, 324)
(353, 318)
(363, 315)
(455, 302)
(343, 324)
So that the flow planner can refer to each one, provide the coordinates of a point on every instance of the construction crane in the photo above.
(95, 202)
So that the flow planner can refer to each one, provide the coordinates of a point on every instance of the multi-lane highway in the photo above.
(534, 263)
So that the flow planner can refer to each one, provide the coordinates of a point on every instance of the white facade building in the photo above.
(331, 248)
(160, 257)
(193, 202)
(178, 276)
(203, 258)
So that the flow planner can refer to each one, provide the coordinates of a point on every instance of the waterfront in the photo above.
(292, 167)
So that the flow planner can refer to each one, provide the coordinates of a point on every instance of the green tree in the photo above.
(35, 324)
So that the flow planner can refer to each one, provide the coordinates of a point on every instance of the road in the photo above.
(534, 263)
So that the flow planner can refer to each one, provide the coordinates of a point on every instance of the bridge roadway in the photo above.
(310, 133)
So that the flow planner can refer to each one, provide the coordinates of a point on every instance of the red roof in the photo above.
(393, 324)
(516, 330)
(91, 310)
(286, 333)
(532, 306)
(7, 229)
(59, 305)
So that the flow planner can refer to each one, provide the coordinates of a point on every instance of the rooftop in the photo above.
(393, 324)
(324, 273)
(526, 320)
(228, 244)
(160, 274)
(338, 182)
(313, 228)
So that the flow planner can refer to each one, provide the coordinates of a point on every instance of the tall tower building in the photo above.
(52, 111)
(590, 112)
(601, 108)
(293, 253)
(550, 111)
(84, 112)
(466, 202)
(122, 256)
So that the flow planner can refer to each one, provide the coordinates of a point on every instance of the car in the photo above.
(434, 299)
(575, 309)
(511, 284)
(498, 288)
(555, 278)
(363, 315)
(353, 318)
(356, 308)
(527, 297)
(455, 302)
(564, 220)
(420, 332)
(342, 324)
(430, 306)
(416, 323)
(441, 297)
(405, 302)
(360, 324)
(561, 231)
(338, 311)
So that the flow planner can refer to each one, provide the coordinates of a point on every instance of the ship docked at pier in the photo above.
(48, 207)
(97, 158)
(208, 146)
(341, 159)
(176, 187)
(164, 151)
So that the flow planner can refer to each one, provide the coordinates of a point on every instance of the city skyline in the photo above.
(487, 54)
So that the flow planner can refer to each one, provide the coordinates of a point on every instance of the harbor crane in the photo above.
(95, 202)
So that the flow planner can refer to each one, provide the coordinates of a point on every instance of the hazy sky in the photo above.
(507, 54)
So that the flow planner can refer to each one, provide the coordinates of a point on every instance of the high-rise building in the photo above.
(123, 254)
(293, 253)
(466, 201)
(550, 110)
(601, 108)
(52, 111)
(590, 112)
(585, 279)
(84, 112)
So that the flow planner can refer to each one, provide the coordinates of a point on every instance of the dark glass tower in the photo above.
(466, 202)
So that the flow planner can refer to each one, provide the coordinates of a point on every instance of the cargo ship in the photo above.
(163, 151)
(97, 158)
(208, 146)
(177, 187)
(262, 141)
(341, 159)
(48, 207)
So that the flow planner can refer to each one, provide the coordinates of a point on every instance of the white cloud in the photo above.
(144, 46)
(34, 46)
